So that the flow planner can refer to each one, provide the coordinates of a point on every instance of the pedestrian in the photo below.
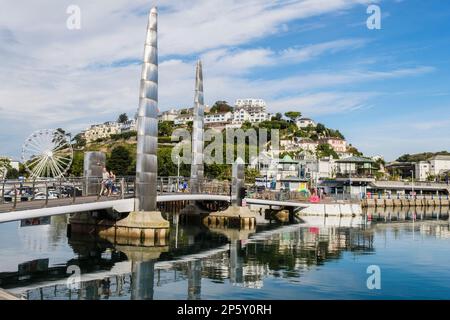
(105, 179)
(110, 183)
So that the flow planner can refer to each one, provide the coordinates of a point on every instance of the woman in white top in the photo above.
(105, 179)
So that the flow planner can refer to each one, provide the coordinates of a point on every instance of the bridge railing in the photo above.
(276, 195)
(48, 191)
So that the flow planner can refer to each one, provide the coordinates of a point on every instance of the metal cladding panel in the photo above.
(149, 72)
(149, 127)
(197, 132)
(151, 55)
(149, 163)
(149, 90)
(148, 108)
(147, 124)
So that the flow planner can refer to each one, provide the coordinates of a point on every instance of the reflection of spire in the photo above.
(147, 123)
(236, 263)
(197, 133)
(143, 277)
(194, 280)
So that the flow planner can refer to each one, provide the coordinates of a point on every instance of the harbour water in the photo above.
(320, 258)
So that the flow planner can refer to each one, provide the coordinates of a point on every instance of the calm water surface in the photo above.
(317, 259)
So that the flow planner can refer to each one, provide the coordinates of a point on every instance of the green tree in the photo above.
(79, 140)
(119, 161)
(251, 174)
(12, 173)
(167, 167)
(76, 168)
(221, 106)
(320, 129)
(165, 128)
(293, 115)
(354, 151)
(278, 116)
(123, 117)
(325, 150)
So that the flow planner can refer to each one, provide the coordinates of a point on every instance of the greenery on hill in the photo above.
(221, 106)
(120, 149)
(420, 156)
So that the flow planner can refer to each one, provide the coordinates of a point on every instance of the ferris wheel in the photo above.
(47, 153)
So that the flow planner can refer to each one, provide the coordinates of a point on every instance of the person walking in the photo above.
(111, 181)
(105, 179)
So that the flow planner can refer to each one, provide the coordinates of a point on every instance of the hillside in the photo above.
(420, 156)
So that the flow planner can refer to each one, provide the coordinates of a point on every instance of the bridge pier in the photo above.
(236, 216)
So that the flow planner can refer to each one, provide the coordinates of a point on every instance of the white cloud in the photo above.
(55, 77)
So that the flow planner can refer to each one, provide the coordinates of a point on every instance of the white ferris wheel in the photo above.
(47, 153)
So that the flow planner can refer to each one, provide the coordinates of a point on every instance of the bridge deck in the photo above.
(37, 208)
(38, 204)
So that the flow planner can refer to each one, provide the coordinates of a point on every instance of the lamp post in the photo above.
(412, 186)
(178, 172)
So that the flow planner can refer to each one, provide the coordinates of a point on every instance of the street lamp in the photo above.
(178, 173)
(412, 180)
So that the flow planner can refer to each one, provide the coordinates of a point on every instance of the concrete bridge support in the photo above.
(236, 215)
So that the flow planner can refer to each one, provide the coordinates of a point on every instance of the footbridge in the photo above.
(36, 199)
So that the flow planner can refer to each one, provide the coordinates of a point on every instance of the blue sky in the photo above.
(386, 90)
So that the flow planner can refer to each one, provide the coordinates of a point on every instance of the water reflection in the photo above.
(202, 263)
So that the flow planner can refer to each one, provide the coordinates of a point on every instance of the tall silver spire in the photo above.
(197, 133)
(147, 122)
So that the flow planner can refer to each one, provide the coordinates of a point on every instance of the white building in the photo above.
(308, 145)
(183, 119)
(128, 126)
(240, 116)
(422, 170)
(439, 164)
(220, 117)
(305, 122)
(168, 115)
(101, 131)
(436, 166)
(251, 105)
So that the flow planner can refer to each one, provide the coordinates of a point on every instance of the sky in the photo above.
(387, 90)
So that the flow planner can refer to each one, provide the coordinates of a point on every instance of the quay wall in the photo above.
(403, 203)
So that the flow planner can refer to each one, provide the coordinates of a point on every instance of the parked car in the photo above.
(41, 196)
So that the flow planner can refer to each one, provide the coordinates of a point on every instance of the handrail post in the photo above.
(74, 196)
(3, 191)
(46, 193)
(15, 197)
(99, 187)
(33, 187)
(122, 187)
